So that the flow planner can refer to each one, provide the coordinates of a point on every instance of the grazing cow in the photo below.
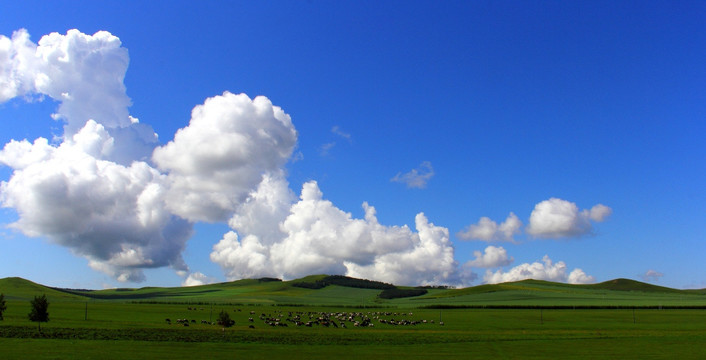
(251, 326)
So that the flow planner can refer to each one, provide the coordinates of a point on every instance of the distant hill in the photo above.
(16, 288)
(322, 282)
(632, 285)
(339, 290)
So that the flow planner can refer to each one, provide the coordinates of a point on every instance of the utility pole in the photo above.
(85, 315)
(633, 315)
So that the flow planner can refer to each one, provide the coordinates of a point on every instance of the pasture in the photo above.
(135, 327)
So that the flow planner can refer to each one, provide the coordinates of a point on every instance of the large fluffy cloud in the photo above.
(312, 236)
(92, 192)
(556, 218)
(84, 73)
(125, 218)
(108, 192)
(112, 214)
(545, 270)
(230, 143)
(96, 192)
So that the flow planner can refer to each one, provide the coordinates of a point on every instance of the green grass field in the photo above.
(540, 322)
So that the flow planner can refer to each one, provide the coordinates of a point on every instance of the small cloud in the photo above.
(492, 257)
(337, 130)
(488, 230)
(325, 148)
(416, 178)
(297, 156)
(651, 276)
(196, 279)
(600, 212)
(557, 218)
(578, 276)
(545, 270)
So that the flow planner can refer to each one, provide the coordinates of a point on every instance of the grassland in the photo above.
(528, 320)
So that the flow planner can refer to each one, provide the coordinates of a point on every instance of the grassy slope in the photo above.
(118, 329)
(244, 292)
(16, 288)
(618, 292)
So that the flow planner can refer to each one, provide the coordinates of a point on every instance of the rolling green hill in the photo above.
(322, 290)
(618, 292)
(16, 288)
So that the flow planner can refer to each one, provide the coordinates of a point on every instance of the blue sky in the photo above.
(555, 140)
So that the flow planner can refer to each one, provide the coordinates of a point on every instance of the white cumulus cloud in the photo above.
(416, 178)
(108, 192)
(651, 276)
(578, 276)
(545, 270)
(313, 236)
(197, 279)
(556, 218)
(84, 73)
(114, 215)
(92, 192)
(491, 257)
(230, 143)
(488, 230)
(17, 55)
(599, 212)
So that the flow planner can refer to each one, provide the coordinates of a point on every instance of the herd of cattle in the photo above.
(325, 319)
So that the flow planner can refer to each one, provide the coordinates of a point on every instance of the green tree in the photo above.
(224, 320)
(39, 313)
(3, 307)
